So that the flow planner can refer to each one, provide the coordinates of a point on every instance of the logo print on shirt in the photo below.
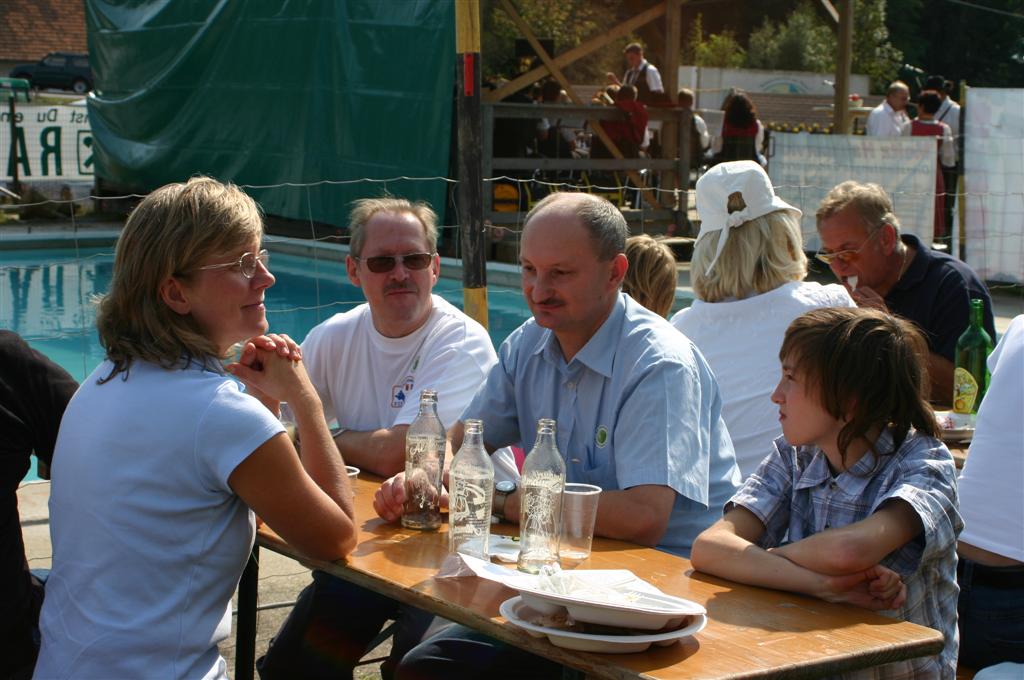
(398, 392)
(601, 436)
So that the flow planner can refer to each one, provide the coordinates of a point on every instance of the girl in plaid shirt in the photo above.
(856, 502)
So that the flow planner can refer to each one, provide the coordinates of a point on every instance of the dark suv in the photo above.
(64, 70)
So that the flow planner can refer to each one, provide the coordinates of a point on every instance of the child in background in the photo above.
(651, 278)
(858, 485)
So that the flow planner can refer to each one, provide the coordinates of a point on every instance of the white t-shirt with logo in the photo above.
(367, 381)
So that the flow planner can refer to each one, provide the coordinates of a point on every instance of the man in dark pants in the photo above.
(33, 394)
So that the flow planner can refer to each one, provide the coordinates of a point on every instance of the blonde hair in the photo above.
(869, 201)
(170, 233)
(365, 208)
(760, 255)
(651, 277)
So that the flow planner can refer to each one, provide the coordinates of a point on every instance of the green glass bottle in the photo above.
(970, 379)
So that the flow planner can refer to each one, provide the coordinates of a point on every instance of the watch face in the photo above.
(505, 486)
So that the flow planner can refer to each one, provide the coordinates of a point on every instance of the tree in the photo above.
(802, 43)
(717, 50)
(566, 22)
(873, 54)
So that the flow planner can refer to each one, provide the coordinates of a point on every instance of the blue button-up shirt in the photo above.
(636, 405)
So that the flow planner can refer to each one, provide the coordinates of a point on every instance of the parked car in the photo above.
(64, 70)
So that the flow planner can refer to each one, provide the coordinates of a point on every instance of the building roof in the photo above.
(33, 28)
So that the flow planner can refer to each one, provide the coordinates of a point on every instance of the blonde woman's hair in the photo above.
(869, 201)
(365, 208)
(760, 255)
(651, 277)
(170, 233)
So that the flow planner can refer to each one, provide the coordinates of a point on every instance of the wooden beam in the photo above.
(578, 52)
(670, 130)
(841, 103)
(556, 72)
(831, 9)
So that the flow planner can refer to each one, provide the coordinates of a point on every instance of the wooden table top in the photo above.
(751, 632)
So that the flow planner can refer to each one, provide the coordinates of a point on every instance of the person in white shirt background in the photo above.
(991, 548)
(368, 366)
(888, 118)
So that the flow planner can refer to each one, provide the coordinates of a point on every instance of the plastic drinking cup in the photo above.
(579, 512)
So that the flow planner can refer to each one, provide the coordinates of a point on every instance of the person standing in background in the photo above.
(888, 118)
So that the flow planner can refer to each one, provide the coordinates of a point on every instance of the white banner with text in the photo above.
(51, 144)
(994, 183)
(804, 167)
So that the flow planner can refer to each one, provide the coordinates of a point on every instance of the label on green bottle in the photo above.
(965, 390)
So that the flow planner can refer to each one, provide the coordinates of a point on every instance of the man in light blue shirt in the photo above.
(638, 409)
(639, 414)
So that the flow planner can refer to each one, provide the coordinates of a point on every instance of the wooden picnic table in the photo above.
(751, 632)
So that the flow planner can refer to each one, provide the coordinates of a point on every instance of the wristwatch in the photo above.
(502, 490)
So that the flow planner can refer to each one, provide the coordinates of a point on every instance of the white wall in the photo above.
(712, 84)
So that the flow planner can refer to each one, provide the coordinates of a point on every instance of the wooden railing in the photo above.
(672, 172)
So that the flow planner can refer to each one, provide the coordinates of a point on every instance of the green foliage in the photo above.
(567, 22)
(873, 54)
(721, 50)
(803, 43)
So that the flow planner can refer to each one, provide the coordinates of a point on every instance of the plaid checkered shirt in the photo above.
(795, 495)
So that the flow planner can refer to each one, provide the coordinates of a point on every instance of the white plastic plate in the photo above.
(520, 614)
(647, 609)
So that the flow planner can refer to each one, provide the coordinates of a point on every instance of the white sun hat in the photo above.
(722, 181)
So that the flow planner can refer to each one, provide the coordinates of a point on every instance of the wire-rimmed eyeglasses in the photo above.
(246, 263)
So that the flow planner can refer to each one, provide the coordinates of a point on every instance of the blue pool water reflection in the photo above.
(45, 296)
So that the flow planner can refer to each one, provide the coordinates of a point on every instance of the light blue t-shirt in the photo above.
(636, 405)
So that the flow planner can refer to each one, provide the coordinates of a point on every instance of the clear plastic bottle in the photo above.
(471, 489)
(540, 514)
(424, 463)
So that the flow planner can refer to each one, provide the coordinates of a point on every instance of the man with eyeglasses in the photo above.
(368, 366)
(861, 242)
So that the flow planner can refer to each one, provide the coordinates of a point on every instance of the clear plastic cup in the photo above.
(579, 512)
(353, 476)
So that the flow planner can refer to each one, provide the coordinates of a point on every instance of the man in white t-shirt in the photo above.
(369, 366)
(888, 118)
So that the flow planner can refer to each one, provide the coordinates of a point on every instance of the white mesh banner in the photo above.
(994, 183)
(53, 143)
(805, 167)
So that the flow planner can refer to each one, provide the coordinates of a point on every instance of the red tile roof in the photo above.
(32, 28)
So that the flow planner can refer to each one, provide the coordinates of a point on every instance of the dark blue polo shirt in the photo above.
(935, 293)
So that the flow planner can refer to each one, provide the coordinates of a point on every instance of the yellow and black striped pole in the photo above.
(470, 191)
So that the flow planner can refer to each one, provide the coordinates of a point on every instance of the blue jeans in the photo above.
(463, 653)
(330, 628)
(991, 610)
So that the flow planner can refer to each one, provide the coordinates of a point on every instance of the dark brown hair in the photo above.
(868, 367)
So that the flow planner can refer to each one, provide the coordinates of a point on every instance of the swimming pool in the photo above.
(45, 296)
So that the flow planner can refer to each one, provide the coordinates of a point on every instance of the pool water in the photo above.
(45, 296)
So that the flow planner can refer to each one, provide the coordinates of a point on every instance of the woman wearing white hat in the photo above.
(747, 271)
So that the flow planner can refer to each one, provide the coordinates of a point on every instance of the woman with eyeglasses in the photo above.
(748, 274)
(162, 458)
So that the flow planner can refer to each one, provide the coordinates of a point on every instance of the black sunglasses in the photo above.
(385, 263)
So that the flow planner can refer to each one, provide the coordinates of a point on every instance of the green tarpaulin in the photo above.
(263, 92)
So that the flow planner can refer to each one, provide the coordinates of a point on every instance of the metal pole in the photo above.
(470, 189)
(245, 640)
(14, 145)
(841, 107)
